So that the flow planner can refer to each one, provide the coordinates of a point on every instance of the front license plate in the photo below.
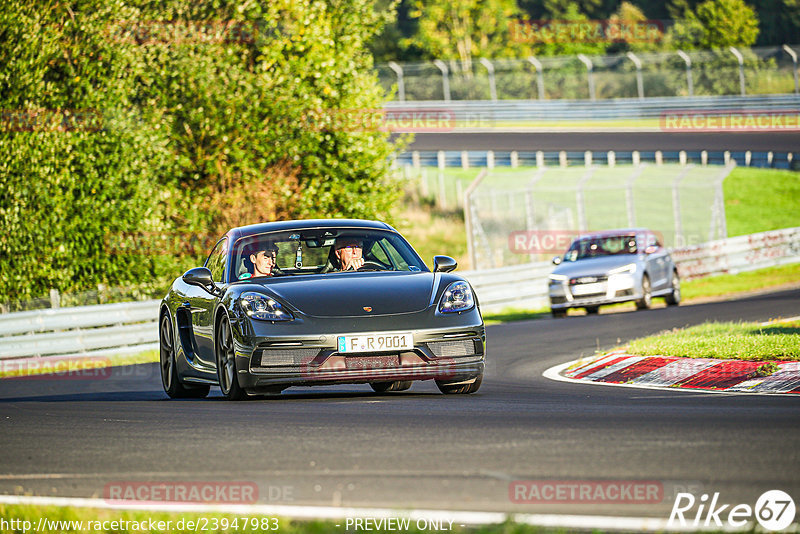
(376, 342)
(588, 289)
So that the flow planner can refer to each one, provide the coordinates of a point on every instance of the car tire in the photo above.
(226, 362)
(385, 387)
(460, 389)
(592, 310)
(169, 372)
(674, 298)
(559, 313)
(647, 297)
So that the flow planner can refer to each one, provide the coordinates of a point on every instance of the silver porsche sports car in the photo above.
(319, 302)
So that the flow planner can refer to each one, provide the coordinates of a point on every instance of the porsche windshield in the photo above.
(322, 251)
(593, 247)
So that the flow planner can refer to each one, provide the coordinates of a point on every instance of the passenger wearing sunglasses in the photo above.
(263, 256)
(348, 250)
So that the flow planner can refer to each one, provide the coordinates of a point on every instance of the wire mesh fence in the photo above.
(729, 71)
(521, 215)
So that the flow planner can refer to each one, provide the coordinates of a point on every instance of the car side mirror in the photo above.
(444, 264)
(556, 260)
(200, 276)
(650, 249)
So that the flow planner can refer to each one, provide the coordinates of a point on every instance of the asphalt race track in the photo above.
(610, 140)
(345, 446)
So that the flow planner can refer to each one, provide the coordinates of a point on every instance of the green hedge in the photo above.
(122, 124)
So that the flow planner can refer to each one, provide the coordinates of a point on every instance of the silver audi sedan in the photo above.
(613, 266)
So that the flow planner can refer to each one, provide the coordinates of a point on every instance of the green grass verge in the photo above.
(99, 520)
(758, 200)
(514, 314)
(737, 341)
(732, 284)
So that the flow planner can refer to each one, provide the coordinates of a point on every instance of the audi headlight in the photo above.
(630, 268)
(457, 298)
(264, 308)
(557, 278)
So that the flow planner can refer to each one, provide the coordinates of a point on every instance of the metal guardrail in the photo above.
(525, 286)
(100, 330)
(486, 113)
(489, 158)
(131, 327)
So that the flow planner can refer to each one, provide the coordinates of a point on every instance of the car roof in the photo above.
(611, 233)
(305, 224)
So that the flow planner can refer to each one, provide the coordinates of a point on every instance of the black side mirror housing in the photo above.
(200, 276)
(444, 264)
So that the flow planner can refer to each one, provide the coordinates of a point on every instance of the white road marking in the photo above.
(640, 524)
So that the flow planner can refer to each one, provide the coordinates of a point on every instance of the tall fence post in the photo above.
(492, 84)
(401, 86)
(629, 197)
(468, 219)
(740, 59)
(676, 207)
(639, 81)
(590, 74)
(580, 200)
(793, 55)
(689, 81)
(445, 78)
(539, 75)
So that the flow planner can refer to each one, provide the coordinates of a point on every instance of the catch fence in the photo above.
(727, 71)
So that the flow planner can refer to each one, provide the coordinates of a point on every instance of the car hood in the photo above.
(348, 294)
(594, 266)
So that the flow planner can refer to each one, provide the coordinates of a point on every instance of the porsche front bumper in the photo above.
(281, 357)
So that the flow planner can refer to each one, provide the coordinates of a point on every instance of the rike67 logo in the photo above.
(774, 510)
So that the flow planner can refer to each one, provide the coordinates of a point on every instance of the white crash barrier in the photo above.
(100, 330)
(739, 254)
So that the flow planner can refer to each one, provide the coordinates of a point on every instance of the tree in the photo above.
(466, 29)
(715, 24)
(169, 120)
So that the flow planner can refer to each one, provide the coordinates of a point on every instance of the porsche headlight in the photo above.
(264, 308)
(456, 298)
